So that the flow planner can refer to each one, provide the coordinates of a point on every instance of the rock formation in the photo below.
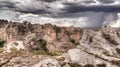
(31, 45)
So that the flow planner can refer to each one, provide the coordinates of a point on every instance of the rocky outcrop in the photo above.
(57, 38)
(78, 56)
(99, 46)
(76, 47)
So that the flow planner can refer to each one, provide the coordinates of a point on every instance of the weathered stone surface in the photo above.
(27, 61)
(48, 62)
(56, 37)
(77, 56)
(82, 46)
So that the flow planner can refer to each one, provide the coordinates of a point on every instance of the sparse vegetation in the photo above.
(116, 62)
(89, 65)
(1, 50)
(91, 39)
(13, 49)
(16, 44)
(118, 50)
(110, 39)
(39, 47)
(54, 52)
(101, 65)
(18, 62)
(106, 53)
(61, 58)
(43, 45)
(75, 65)
(2, 43)
(39, 52)
(75, 42)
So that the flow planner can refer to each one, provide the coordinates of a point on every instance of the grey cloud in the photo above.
(54, 6)
(47, 0)
(107, 1)
(79, 13)
(7, 4)
(80, 8)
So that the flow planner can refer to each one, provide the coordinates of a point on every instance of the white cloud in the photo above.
(86, 19)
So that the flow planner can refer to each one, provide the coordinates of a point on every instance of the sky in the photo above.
(78, 13)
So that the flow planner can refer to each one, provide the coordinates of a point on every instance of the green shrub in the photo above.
(106, 53)
(43, 45)
(118, 50)
(40, 47)
(75, 42)
(2, 43)
(101, 65)
(75, 65)
(89, 65)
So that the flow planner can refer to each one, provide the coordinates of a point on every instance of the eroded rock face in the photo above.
(56, 37)
(82, 46)
(98, 46)
(97, 41)
(81, 57)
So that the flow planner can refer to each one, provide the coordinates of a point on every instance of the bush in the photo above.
(2, 43)
(75, 42)
(39, 47)
(101, 65)
(89, 65)
(118, 50)
(106, 53)
(43, 45)
(75, 65)
(39, 44)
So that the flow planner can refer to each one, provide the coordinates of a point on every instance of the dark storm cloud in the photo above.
(79, 13)
(7, 4)
(49, 6)
(34, 11)
(81, 8)
(47, 0)
(107, 1)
